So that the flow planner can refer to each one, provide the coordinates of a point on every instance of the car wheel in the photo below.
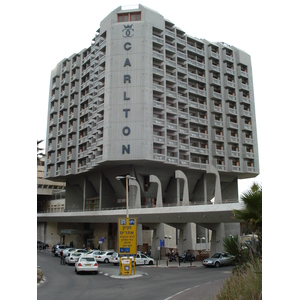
(106, 260)
(217, 264)
(150, 262)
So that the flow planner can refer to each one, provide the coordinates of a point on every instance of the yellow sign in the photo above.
(127, 236)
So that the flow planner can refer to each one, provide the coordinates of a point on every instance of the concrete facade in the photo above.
(146, 99)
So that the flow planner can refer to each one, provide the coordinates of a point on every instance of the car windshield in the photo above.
(216, 255)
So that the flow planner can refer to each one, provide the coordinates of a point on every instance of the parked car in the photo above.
(140, 259)
(58, 249)
(94, 253)
(218, 259)
(67, 251)
(42, 245)
(105, 255)
(86, 264)
(114, 258)
(80, 250)
(72, 257)
(54, 247)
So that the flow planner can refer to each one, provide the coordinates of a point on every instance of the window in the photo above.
(123, 18)
(136, 16)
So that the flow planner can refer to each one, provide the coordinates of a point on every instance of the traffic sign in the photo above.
(127, 236)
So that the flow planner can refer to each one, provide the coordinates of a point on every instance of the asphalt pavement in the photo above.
(203, 291)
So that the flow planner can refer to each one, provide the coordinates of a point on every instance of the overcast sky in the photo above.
(42, 33)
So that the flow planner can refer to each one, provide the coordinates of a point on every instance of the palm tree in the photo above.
(251, 215)
(39, 154)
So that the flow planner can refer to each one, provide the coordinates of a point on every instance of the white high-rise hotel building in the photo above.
(148, 100)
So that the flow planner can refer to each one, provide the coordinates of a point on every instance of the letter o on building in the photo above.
(126, 131)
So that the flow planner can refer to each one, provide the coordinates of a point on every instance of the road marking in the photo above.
(181, 292)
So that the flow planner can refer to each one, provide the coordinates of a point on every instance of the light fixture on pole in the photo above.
(127, 177)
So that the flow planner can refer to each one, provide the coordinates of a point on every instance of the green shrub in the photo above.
(40, 275)
(244, 283)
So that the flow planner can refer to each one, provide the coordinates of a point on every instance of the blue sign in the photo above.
(101, 240)
(162, 243)
(131, 221)
(124, 250)
(123, 221)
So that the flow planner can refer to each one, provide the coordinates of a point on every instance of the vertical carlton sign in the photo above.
(127, 34)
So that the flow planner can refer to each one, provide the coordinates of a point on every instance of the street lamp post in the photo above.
(127, 177)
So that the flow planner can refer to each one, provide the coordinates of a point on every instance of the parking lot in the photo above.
(158, 281)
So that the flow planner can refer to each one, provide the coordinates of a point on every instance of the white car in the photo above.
(96, 254)
(86, 264)
(114, 258)
(72, 257)
(105, 256)
(67, 251)
(140, 259)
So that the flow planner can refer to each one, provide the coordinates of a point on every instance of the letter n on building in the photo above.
(125, 149)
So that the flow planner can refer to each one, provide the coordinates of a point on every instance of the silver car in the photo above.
(218, 259)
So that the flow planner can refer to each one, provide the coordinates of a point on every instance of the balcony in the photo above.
(246, 126)
(159, 88)
(231, 110)
(199, 135)
(172, 160)
(158, 139)
(216, 95)
(159, 157)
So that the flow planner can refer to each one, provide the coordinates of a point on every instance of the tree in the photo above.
(39, 153)
(252, 213)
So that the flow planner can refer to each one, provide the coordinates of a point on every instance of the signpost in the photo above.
(101, 241)
(127, 228)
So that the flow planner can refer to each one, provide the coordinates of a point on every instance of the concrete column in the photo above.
(100, 191)
(84, 193)
(139, 235)
(218, 233)
(218, 195)
(135, 198)
(187, 237)
(155, 179)
(185, 198)
(158, 234)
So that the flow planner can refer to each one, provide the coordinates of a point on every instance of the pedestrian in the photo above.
(62, 259)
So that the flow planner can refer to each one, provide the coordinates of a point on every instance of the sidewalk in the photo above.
(176, 264)
(114, 273)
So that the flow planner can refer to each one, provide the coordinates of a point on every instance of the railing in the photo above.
(192, 203)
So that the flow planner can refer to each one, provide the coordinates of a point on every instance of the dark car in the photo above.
(42, 245)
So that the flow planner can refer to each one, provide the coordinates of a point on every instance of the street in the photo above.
(160, 283)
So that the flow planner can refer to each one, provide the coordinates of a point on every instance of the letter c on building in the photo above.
(127, 46)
